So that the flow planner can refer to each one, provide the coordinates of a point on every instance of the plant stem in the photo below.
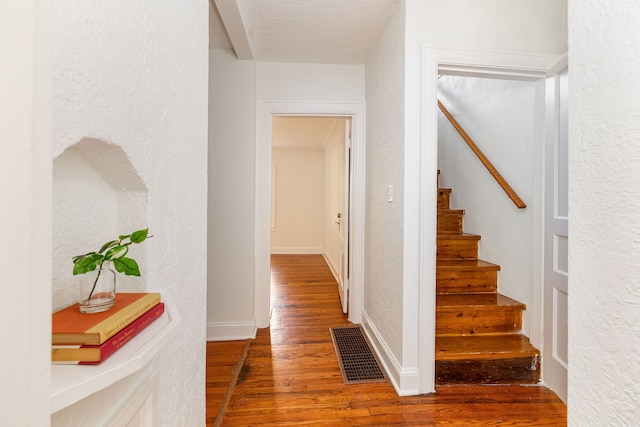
(95, 282)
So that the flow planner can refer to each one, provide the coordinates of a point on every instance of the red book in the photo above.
(69, 326)
(95, 354)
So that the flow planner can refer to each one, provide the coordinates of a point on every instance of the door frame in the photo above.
(265, 110)
(457, 62)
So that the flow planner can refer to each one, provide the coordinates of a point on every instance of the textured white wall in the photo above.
(534, 26)
(25, 215)
(604, 213)
(500, 116)
(299, 201)
(231, 193)
(135, 75)
(383, 298)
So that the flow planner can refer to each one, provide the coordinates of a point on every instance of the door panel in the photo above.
(556, 235)
(345, 181)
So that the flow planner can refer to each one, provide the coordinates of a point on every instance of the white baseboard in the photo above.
(231, 331)
(404, 380)
(332, 267)
(283, 250)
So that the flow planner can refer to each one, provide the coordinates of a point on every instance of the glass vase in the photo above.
(97, 289)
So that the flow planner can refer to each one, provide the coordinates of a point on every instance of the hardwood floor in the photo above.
(291, 377)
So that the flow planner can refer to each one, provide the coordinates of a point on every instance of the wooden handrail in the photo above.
(487, 164)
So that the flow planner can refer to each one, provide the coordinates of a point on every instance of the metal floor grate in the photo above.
(357, 362)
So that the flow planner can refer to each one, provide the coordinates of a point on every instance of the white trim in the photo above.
(332, 267)
(505, 65)
(405, 381)
(427, 226)
(229, 331)
(501, 65)
(296, 250)
(264, 112)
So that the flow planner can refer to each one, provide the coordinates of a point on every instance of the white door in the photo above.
(556, 212)
(343, 217)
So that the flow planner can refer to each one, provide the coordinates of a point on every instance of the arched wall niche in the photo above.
(97, 195)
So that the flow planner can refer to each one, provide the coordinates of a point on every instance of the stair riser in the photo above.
(450, 222)
(477, 335)
(457, 249)
(478, 321)
(522, 370)
(466, 281)
(444, 199)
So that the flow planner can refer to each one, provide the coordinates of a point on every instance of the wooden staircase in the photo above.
(478, 338)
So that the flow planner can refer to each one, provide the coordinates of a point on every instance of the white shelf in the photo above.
(72, 383)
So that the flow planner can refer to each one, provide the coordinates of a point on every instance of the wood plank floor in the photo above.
(291, 377)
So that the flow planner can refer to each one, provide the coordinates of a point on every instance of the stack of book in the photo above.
(89, 339)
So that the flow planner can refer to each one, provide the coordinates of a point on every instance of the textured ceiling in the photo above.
(311, 31)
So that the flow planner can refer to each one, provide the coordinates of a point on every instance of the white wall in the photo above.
(299, 201)
(533, 26)
(231, 197)
(604, 207)
(500, 116)
(135, 76)
(384, 308)
(25, 215)
(310, 82)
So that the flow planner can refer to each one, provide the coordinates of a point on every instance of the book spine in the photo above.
(127, 334)
(109, 327)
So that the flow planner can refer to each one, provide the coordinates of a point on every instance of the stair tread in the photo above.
(453, 235)
(483, 347)
(444, 301)
(465, 264)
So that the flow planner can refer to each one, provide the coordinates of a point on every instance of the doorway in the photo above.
(478, 64)
(266, 111)
(310, 171)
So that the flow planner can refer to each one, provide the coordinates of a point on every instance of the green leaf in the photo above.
(126, 266)
(78, 257)
(123, 237)
(139, 236)
(87, 263)
(117, 252)
(108, 245)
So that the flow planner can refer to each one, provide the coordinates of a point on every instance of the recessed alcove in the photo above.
(97, 195)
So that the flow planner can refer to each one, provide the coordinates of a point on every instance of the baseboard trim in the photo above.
(404, 380)
(332, 267)
(296, 251)
(231, 331)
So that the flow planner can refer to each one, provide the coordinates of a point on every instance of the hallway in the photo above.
(291, 375)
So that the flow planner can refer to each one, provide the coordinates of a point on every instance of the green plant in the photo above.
(113, 251)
